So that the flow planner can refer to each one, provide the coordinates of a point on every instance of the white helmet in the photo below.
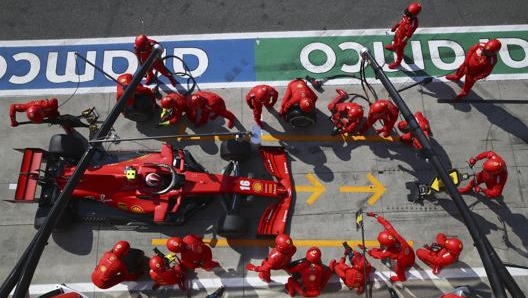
(153, 180)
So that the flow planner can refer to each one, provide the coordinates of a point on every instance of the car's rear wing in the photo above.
(29, 175)
(275, 217)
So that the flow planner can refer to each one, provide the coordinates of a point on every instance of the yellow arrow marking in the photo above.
(376, 188)
(316, 188)
(223, 242)
(292, 138)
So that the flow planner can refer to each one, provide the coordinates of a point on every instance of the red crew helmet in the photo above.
(454, 246)
(313, 255)
(141, 42)
(492, 46)
(153, 179)
(386, 239)
(125, 79)
(175, 100)
(355, 111)
(156, 264)
(175, 244)
(379, 107)
(307, 105)
(493, 165)
(413, 9)
(121, 248)
(283, 242)
(34, 115)
(402, 126)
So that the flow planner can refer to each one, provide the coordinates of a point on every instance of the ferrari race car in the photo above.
(165, 187)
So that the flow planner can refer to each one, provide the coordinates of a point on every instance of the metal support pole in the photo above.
(484, 248)
(33, 253)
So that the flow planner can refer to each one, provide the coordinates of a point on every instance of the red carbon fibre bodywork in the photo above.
(108, 184)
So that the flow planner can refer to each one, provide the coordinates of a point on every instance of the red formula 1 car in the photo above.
(164, 187)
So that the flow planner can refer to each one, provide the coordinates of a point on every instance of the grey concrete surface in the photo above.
(460, 130)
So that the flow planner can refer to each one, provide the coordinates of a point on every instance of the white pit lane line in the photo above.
(211, 284)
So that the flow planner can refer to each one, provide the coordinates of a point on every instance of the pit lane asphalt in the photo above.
(460, 130)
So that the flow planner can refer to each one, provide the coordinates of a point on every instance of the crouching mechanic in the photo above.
(356, 275)
(393, 246)
(298, 95)
(175, 106)
(258, 96)
(37, 111)
(112, 268)
(162, 274)
(140, 102)
(440, 254)
(309, 276)
(494, 174)
(210, 105)
(346, 116)
(384, 111)
(194, 252)
(278, 258)
(408, 137)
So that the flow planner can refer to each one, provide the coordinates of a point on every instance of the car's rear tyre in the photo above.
(235, 150)
(298, 118)
(67, 146)
(142, 110)
(231, 225)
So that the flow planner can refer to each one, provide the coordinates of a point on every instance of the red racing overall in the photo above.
(37, 110)
(210, 105)
(258, 96)
(176, 105)
(408, 137)
(385, 111)
(298, 93)
(194, 253)
(404, 29)
(394, 247)
(111, 268)
(442, 253)
(354, 276)
(278, 258)
(312, 275)
(494, 174)
(479, 63)
(143, 48)
(346, 116)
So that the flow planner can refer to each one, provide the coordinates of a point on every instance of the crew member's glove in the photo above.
(164, 123)
(472, 161)
(477, 188)
(372, 214)
(14, 123)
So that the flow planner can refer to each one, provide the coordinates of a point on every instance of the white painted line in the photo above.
(12, 185)
(226, 85)
(212, 284)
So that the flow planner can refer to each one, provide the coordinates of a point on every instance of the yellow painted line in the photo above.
(291, 138)
(325, 138)
(376, 188)
(317, 188)
(223, 242)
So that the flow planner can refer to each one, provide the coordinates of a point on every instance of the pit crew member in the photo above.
(479, 63)
(394, 247)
